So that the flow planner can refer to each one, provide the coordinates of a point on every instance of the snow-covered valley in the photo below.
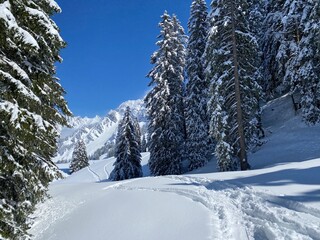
(278, 199)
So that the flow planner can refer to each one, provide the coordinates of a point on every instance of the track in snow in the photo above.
(106, 171)
(242, 212)
(94, 174)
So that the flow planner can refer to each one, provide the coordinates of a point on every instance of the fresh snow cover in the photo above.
(15, 112)
(17, 68)
(46, 22)
(20, 86)
(278, 199)
(54, 5)
(8, 17)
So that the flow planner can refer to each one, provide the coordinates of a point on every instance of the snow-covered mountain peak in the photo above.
(77, 121)
(98, 133)
(137, 108)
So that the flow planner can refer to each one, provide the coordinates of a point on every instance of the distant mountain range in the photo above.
(98, 133)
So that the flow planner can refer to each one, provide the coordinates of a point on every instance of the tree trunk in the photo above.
(242, 155)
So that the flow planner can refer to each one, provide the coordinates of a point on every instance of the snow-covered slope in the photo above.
(98, 133)
(278, 199)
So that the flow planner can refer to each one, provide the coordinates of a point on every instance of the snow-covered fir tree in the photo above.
(128, 156)
(308, 83)
(197, 122)
(257, 15)
(290, 48)
(79, 157)
(31, 106)
(274, 50)
(165, 101)
(137, 130)
(231, 65)
(301, 25)
(144, 144)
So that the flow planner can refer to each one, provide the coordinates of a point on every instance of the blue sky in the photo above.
(109, 47)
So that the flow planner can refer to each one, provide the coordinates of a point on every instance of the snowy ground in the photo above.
(278, 199)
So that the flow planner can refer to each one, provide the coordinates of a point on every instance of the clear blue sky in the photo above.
(109, 47)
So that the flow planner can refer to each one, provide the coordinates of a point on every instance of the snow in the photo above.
(17, 68)
(7, 16)
(46, 22)
(54, 5)
(16, 112)
(278, 199)
(20, 86)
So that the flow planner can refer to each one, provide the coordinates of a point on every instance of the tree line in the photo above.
(207, 88)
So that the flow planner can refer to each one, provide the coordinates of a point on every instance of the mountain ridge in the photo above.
(98, 133)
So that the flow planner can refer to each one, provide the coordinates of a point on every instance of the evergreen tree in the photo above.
(79, 157)
(231, 66)
(302, 68)
(197, 123)
(143, 144)
(274, 50)
(165, 101)
(128, 162)
(309, 58)
(291, 59)
(31, 106)
(137, 130)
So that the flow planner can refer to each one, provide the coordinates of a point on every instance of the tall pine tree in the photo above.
(79, 157)
(197, 122)
(128, 147)
(31, 106)
(165, 101)
(231, 65)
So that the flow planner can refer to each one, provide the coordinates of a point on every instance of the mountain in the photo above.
(98, 133)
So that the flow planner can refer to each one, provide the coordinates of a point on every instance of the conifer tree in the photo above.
(165, 101)
(274, 50)
(231, 65)
(291, 60)
(128, 162)
(197, 122)
(79, 157)
(309, 62)
(31, 106)
(137, 130)
(143, 144)
(302, 30)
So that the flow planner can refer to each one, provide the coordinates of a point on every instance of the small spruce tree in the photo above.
(79, 157)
